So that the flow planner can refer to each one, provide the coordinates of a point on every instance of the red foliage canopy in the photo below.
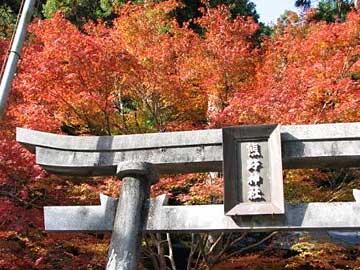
(308, 74)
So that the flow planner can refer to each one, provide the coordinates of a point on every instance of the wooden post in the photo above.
(131, 214)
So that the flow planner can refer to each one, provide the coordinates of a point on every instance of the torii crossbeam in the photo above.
(138, 158)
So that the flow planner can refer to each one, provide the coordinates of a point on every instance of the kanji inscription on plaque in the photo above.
(254, 165)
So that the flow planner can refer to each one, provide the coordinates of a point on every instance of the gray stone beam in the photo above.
(205, 218)
(89, 218)
(33, 138)
(303, 146)
(166, 160)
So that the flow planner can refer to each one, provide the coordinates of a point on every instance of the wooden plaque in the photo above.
(252, 165)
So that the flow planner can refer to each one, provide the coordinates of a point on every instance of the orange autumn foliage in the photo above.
(168, 73)
(145, 74)
(308, 74)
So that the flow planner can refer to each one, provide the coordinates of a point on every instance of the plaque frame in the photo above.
(233, 139)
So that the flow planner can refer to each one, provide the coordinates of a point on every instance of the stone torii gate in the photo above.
(251, 158)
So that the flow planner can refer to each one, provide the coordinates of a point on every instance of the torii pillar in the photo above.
(131, 214)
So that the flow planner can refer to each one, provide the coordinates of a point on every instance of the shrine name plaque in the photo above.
(253, 179)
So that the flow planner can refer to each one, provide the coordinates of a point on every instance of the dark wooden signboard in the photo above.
(253, 170)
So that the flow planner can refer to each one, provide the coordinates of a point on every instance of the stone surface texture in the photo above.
(205, 218)
(267, 163)
(131, 214)
(303, 146)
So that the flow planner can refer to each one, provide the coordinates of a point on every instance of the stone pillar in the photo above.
(131, 214)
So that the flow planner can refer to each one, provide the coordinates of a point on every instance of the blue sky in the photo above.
(270, 10)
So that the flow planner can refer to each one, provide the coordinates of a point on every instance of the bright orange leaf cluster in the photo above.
(308, 74)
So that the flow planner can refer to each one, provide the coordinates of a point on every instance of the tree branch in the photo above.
(250, 246)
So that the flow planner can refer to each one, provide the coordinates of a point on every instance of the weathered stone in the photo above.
(305, 146)
(313, 146)
(206, 218)
(99, 218)
(131, 214)
(143, 169)
(252, 164)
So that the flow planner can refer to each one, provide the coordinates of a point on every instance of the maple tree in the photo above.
(49, 94)
(308, 76)
(227, 58)
(147, 73)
